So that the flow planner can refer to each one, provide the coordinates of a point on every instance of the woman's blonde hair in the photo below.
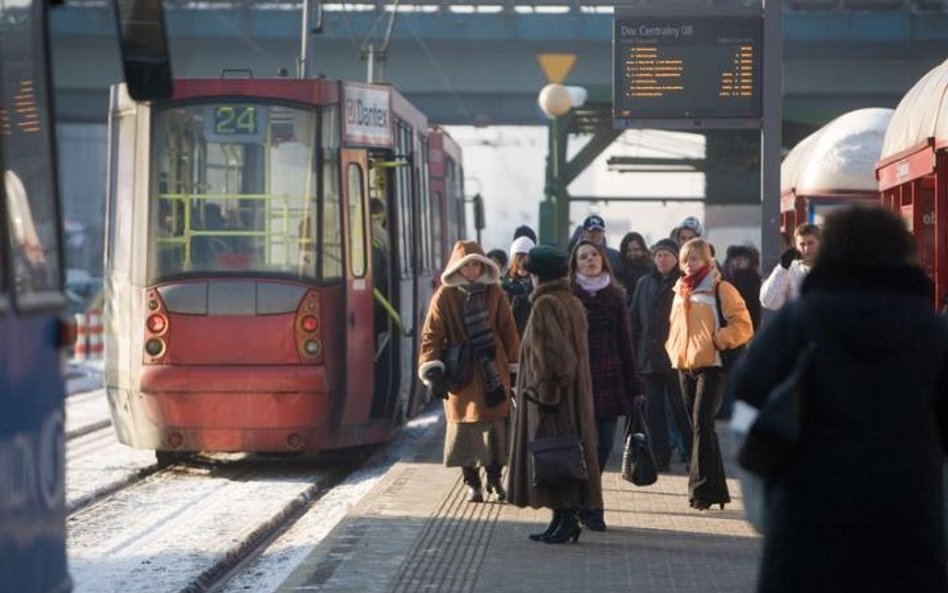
(516, 265)
(700, 247)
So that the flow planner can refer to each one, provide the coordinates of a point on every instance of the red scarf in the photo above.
(689, 283)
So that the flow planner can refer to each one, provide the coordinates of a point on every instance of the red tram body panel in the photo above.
(253, 302)
(832, 167)
(913, 172)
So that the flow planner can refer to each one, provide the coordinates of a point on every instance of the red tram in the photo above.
(831, 167)
(271, 246)
(913, 171)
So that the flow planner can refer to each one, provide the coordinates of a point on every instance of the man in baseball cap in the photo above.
(594, 231)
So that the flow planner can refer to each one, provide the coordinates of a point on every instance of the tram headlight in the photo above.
(155, 347)
(157, 324)
(311, 347)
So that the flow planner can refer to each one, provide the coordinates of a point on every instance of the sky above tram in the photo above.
(506, 165)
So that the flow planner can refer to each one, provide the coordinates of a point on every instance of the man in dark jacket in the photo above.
(859, 505)
(649, 314)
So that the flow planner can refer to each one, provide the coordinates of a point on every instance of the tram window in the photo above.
(356, 221)
(331, 241)
(238, 199)
(29, 175)
(403, 185)
(121, 195)
(423, 180)
(437, 220)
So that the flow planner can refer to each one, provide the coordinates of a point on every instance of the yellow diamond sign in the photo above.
(556, 66)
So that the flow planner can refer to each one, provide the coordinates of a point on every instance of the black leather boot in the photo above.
(557, 517)
(472, 479)
(593, 519)
(494, 483)
(568, 529)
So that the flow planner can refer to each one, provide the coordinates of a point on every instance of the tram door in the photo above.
(359, 301)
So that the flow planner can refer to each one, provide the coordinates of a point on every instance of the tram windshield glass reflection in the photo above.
(235, 191)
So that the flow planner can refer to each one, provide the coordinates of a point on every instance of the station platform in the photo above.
(415, 532)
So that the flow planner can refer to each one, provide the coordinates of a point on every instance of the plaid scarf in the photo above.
(481, 338)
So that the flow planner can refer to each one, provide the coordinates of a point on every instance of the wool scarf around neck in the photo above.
(593, 284)
(481, 337)
(689, 283)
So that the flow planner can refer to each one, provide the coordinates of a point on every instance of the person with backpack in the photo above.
(696, 337)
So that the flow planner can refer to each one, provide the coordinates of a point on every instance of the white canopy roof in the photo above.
(840, 156)
(922, 114)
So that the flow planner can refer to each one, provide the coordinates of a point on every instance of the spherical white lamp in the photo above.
(555, 100)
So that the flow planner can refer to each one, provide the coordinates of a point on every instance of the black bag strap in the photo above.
(722, 321)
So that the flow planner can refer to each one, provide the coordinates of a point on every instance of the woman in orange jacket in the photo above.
(695, 338)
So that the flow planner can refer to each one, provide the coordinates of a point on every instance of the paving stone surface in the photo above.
(416, 533)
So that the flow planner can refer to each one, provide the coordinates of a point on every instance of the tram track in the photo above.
(218, 514)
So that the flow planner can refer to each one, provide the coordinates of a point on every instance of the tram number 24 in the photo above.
(235, 120)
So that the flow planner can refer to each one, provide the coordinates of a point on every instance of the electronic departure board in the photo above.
(686, 68)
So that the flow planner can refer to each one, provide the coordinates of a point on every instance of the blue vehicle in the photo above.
(32, 296)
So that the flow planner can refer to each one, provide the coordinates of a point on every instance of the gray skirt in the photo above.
(472, 444)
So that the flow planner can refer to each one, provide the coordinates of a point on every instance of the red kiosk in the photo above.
(913, 171)
(831, 167)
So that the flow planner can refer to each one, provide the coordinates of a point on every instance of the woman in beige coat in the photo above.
(470, 308)
(555, 396)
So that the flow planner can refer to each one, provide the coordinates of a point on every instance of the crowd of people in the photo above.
(577, 340)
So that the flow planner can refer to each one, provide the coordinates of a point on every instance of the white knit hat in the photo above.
(521, 245)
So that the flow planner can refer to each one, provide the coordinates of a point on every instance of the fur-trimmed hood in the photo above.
(464, 252)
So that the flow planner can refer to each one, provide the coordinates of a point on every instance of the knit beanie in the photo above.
(666, 245)
(521, 245)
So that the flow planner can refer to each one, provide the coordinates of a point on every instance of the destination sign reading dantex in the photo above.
(687, 68)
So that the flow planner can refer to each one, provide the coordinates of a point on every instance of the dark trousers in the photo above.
(701, 390)
(606, 430)
(663, 399)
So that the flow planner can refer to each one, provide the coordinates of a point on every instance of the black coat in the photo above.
(860, 507)
(649, 314)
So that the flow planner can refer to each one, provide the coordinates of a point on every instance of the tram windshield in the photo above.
(235, 192)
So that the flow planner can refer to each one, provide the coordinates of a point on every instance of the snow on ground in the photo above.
(97, 462)
(85, 411)
(163, 533)
(279, 560)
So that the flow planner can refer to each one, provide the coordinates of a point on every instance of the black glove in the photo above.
(787, 258)
(437, 383)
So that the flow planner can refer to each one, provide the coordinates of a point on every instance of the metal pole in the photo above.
(770, 142)
(370, 64)
(303, 63)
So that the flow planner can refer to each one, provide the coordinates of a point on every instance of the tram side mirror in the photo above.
(478, 212)
(144, 43)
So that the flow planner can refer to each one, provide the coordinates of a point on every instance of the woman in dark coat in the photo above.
(649, 315)
(555, 396)
(517, 284)
(616, 384)
(859, 506)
